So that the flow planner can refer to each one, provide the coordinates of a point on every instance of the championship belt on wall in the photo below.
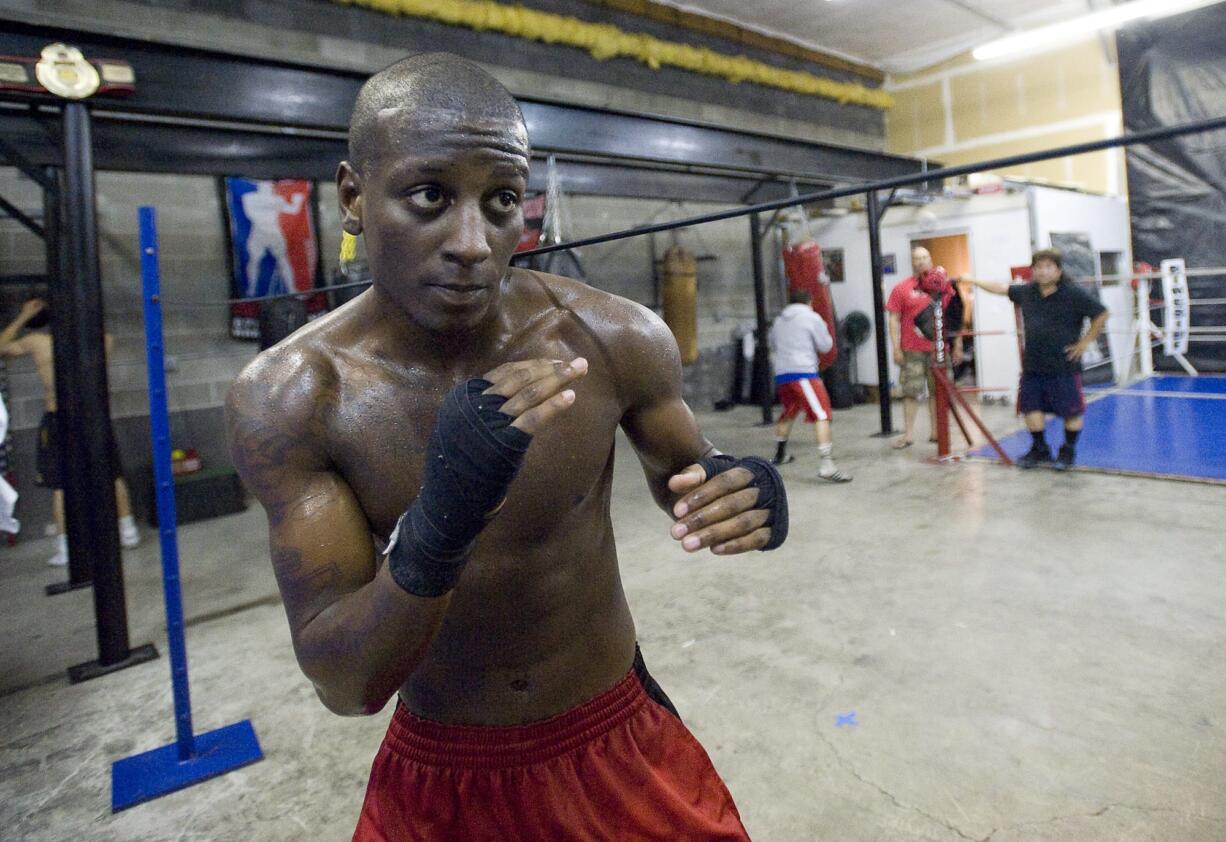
(64, 71)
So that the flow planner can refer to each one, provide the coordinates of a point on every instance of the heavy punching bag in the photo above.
(279, 318)
(680, 294)
(803, 264)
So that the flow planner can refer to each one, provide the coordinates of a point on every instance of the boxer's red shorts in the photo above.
(618, 767)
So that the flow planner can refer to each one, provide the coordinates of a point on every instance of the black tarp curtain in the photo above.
(1173, 71)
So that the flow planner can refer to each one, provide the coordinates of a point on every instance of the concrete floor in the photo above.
(1028, 656)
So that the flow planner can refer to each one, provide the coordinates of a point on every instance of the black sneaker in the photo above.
(1065, 460)
(1037, 456)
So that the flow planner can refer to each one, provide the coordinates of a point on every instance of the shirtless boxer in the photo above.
(435, 461)
(36, 343)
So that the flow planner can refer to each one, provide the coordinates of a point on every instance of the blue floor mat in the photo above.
(1139, 430)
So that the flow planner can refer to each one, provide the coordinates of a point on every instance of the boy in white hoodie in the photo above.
(797, 337)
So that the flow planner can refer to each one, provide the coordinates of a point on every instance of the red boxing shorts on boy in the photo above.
(621, 766)
(803, 393)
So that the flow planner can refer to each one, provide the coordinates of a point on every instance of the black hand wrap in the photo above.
(471, 458)
(771, 495)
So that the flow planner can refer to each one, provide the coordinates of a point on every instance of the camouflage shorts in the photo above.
(914, 373)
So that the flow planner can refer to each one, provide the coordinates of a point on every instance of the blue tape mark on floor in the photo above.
(848, 719)
(1139, 430)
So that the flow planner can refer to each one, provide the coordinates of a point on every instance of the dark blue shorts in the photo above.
(1058, 394)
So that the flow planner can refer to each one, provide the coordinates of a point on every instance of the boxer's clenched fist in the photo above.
(536, 390)
(730, 505)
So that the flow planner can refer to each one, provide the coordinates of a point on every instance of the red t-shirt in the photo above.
(908, 299)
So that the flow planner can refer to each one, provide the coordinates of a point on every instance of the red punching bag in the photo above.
(803, 264)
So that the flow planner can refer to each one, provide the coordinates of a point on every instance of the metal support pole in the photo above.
(1145, 328)
(85, 419)
(657, 299)
(879, 323)
(59, 234)
(944, 385)
(761, 354)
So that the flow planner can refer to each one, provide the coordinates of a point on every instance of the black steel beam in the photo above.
(25, 280)
(181, 82)
(130, 146)
(19, 215)
(628, 181)
(555, 127)
(1149, 136)
(17, 158)
(172, 81)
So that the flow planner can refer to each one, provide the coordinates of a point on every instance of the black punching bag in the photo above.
(279, 318)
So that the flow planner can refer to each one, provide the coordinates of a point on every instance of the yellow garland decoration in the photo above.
(604, 42)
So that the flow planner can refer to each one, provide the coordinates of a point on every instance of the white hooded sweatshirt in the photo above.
(797, 337)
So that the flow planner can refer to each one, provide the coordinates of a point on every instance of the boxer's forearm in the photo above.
(473, 454)
(362, 648)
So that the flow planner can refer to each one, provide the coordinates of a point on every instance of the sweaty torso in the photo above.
(539, 621)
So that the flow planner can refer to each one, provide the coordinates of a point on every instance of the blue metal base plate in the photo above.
(143, 777)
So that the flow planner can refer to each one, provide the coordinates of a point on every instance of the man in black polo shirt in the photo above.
(1054, 310)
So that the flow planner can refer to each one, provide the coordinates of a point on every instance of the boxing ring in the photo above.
(1166, 426)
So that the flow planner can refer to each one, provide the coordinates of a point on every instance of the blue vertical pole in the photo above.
(159, 420)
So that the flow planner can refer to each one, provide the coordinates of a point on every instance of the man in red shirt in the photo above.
(913, 350)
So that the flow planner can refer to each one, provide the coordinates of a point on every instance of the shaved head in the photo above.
(438, 82)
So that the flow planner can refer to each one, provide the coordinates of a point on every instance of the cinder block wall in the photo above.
(725, 276)
(202, 359)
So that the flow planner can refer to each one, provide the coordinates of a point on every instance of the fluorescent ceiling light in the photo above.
(1056, 34)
